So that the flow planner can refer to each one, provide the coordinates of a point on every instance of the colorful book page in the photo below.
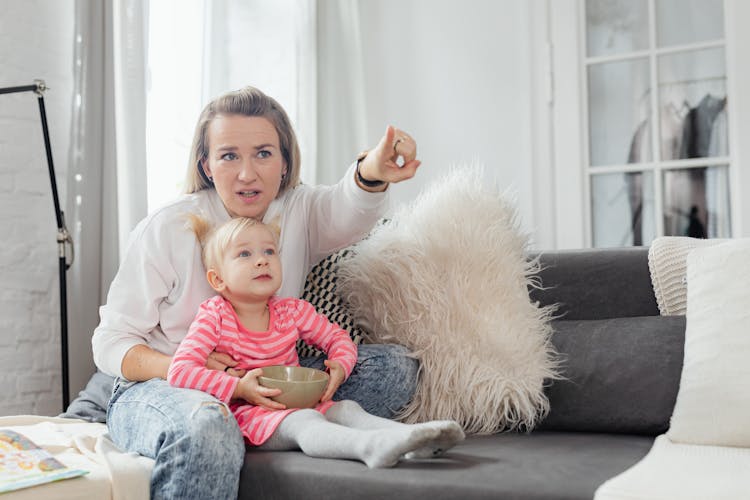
(24, 464)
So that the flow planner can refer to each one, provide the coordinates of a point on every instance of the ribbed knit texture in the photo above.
(667, 262)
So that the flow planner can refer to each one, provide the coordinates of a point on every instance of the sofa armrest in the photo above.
(596, 283)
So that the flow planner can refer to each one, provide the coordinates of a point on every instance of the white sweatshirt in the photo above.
(162, 281)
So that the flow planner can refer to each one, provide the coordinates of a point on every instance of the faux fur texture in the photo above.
(447, 277)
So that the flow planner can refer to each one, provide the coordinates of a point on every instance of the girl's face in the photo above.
(251, 267)
(245, 162)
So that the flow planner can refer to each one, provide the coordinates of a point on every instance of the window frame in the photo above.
(570, 122)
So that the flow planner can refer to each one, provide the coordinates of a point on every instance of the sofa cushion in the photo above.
(321, 291)
(713, 405)
(596, 283)
(622, 374)
(539, 466)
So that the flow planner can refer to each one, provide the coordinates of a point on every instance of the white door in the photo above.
(651, 120)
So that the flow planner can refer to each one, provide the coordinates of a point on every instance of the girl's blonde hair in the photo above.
(215, 240)
(247, 101)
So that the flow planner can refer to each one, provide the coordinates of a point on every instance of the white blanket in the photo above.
(683, 471)
(113, 474)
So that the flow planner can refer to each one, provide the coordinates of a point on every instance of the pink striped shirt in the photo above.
(217, 328)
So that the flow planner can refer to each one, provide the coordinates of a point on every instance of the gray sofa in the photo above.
(622, 363)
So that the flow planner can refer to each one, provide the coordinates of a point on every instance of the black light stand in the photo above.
(63, 237)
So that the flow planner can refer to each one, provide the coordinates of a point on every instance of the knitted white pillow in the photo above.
(447, 277)
(713, 403)
(667, 262)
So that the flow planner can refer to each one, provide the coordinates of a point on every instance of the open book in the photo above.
(24, 464)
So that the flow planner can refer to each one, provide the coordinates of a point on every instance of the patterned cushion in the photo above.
(320, 291)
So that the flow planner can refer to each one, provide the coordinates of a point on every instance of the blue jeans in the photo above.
(195, 441)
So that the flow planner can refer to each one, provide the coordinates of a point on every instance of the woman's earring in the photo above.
(203, 171)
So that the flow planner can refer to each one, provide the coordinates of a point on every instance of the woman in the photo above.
(244, 162)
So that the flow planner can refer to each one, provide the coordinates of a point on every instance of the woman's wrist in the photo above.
(373, 186)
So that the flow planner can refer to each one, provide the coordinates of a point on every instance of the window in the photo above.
(658, 117)
(174, 93)
(656, 62)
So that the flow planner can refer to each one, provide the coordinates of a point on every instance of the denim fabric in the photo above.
(383, 380)
(193, 437)
(91, 403)
(196, 441)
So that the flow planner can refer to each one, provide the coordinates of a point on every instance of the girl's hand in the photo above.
(381, 163)
(224, 362)
(251, 391)
(336, 378)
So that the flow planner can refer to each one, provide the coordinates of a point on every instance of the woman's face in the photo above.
(245, 161)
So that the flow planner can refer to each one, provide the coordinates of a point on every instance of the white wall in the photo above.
(35, 42)
(456, 76)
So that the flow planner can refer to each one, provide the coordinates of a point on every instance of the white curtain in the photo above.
(342, 113)
(130, 29)
(106, 194)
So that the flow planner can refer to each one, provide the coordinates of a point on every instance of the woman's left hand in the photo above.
(382, 162)
(336, 378)
(224, 362)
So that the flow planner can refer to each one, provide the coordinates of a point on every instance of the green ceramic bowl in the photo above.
(301, 387)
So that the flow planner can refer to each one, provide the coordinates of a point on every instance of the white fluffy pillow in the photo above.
(447, 277)
(713, 403)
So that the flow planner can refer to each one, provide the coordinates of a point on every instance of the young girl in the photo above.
(248, 322)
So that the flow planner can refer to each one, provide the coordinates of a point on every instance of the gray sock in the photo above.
(316, 436)
(351, 414)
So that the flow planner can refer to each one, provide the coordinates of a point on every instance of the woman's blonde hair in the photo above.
(247, 101)
(215, 241)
